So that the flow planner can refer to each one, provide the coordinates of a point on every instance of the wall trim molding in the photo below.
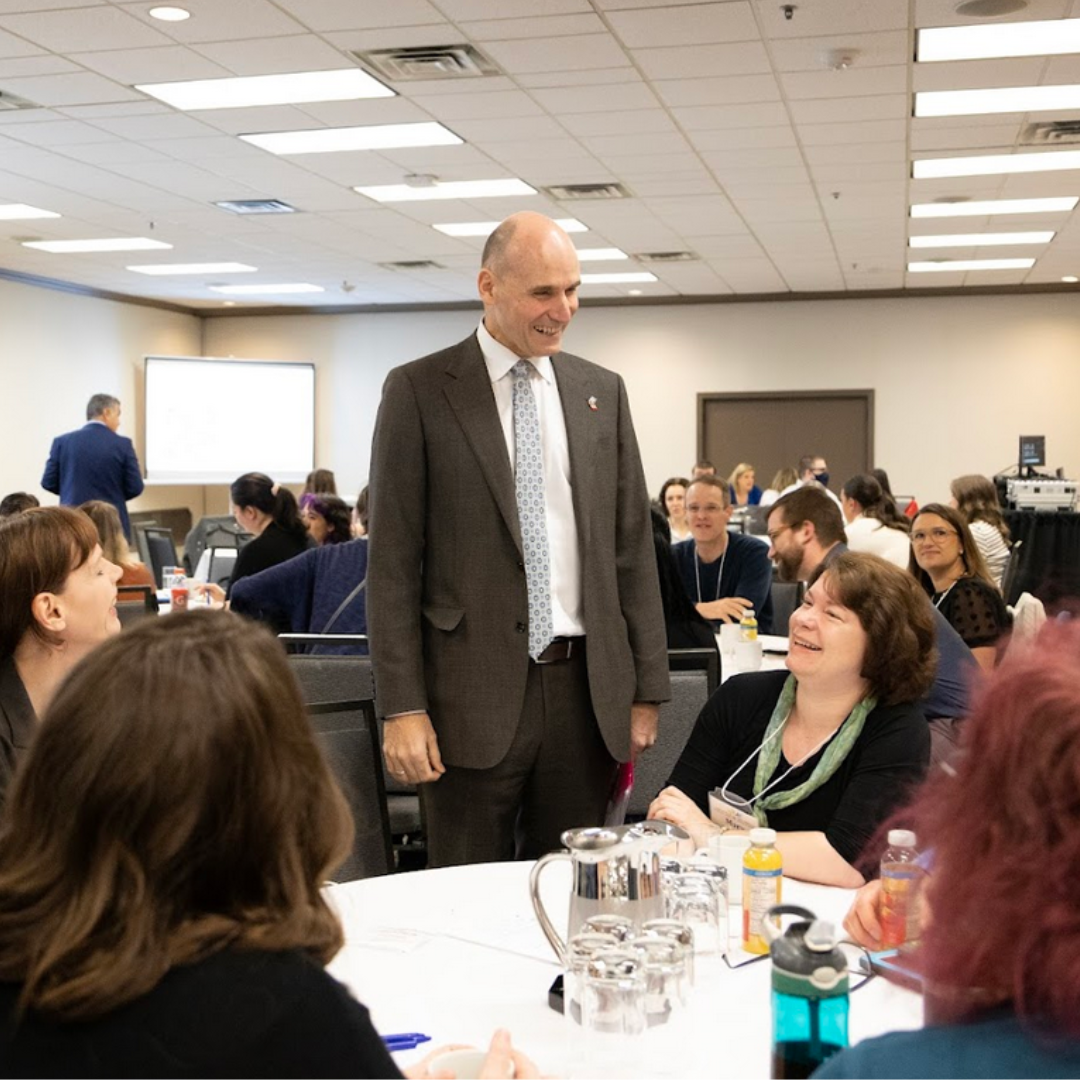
(74, 289)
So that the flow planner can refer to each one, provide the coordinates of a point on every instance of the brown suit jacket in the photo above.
(447, 600)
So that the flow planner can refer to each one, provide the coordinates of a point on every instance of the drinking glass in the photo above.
(697, 903)
(613, 1013)
(678, 932)
(618, 926)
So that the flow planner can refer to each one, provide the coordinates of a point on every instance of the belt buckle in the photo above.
(561, 648)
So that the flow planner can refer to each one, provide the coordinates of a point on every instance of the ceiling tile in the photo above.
(837, 17)
(582, 99)
(398, 110)
(235, 20)
(73, 89)
(853, 83)
(274, 55)
(818, 53)
(578, 80)
(856, 172)
(743, 138)
(11, 46)
(536, 26)
(83, 29)
(751, 117)
(44, 64)
(769, 158)
(857, 153)
(862, 131)
(978, 74)
(641, 121)
(323, 15)
(59, 133)
(700, 24)
(114, 152)
(423, 35)
(167, 125)
(559, 54)
(669, 143)
(509, 129)
(507, 103)
(161, 64)
(460, 10)
(993, 139)
(943, 12)
(828, 111)
(702, 61)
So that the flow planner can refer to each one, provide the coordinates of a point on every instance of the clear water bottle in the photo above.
(900, 877)
(748, 625)
(809, 994)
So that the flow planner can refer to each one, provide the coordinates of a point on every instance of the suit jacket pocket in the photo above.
(443, 618)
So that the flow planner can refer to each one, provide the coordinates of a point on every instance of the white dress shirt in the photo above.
(870, 536)
(563, 555)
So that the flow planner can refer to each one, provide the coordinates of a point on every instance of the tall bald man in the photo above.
(516, 628)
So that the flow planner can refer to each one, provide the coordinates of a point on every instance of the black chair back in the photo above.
(339, 696)
(160, 550)
(1011, 573)
(786, 597)
(134, 602)
(695, 674)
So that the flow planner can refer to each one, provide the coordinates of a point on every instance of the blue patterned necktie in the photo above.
(529, 492)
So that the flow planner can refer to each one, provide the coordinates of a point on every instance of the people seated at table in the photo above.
(947, 564)
(825, 751)
(806, 532)
(17, 502)
(326, 518)
(1000, 932)
(686, 628)
(873, 524)
(812, 469)
(360, 514)
(741, 487)
(723, 573)
(977, 500)
(321, 591)
(114, 543)
(162, 856)
(783, 479)
(320, 482)
(269, 512)
(673, 505)
(58, 602)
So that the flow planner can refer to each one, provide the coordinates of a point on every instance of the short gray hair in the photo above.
(99, 404)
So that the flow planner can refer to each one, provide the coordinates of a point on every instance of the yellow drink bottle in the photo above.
(762, 874)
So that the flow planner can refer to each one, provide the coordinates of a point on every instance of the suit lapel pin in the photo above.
(593, 405)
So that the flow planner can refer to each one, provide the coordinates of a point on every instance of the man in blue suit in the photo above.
(94, 462)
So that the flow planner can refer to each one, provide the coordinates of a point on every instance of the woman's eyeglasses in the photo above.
(932, 534)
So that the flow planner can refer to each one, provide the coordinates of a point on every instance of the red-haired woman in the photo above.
(1001, 955)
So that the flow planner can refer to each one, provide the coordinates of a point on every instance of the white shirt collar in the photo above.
(499, 359)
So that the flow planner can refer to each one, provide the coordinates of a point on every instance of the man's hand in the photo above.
(729, 609)
(644, 718)
(861, 922)
(411, 749)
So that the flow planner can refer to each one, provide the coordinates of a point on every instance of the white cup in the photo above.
(464, 1064)
(728, 851)
(729, 635)
(748, 655)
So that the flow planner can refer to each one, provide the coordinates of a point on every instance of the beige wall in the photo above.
(956, 379)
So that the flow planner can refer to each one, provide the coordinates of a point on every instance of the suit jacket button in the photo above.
(521, 628)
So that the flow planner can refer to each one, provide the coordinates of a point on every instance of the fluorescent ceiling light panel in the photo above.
(989, 207)
(254, 290)
(454, 189)
(600, 254)
(970, 264)
(617, 279)
(486, 228)
(119, 243)
(994, 164)
(21, 212)
(1046, 37)
(297, 88)
(194, 268)
(1005, 99)
(981, 239)
(335, 140)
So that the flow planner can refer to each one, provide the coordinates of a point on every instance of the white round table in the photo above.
(455, 953)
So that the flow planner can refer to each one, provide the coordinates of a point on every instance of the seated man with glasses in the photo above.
(723, 573)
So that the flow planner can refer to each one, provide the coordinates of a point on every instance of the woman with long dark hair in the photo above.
(162, 856)
(977, 499)
(873, 524)
(326, 518)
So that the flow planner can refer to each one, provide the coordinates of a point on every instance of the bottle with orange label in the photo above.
(762, 874)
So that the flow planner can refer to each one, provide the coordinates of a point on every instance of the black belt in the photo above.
(562, 648)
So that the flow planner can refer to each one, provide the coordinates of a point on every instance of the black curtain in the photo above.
(1049, 565)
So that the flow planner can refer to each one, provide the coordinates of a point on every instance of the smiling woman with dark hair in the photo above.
(825, 752)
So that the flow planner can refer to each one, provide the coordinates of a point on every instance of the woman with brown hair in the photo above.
(824, 752)
(946, 562)
(114, 545)
(58, 602)
(977, 500)
(672, 503)
(326, 518)
(161, 860)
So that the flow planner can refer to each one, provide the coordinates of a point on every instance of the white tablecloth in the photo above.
(456, 953)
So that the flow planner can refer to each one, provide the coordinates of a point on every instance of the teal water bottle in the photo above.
(809, 993)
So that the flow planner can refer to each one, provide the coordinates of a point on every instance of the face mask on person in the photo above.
(822, 477)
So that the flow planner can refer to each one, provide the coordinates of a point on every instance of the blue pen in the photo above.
(408, 1040)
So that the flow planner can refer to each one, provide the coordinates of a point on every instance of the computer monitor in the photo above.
(1032, 451)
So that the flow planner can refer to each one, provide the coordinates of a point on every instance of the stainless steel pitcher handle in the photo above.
(550, 932)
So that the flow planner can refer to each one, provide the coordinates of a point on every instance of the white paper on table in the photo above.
(389, 939)
(773, 643)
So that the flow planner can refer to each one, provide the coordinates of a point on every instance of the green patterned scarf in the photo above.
(835, 752)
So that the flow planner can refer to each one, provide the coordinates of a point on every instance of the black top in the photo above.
(975, 610)
(234, 1014)
(747, 572)
(889, 757)
(17, 722)
(273, 546)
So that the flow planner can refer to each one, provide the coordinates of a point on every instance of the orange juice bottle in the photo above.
(762, 871)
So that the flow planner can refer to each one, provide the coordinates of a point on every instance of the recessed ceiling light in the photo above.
(334, 140)
(228, 303)
(600, 254)
(970, 264)
(486, 228)
(253, 290)
(1070, 279)
(194, 268)
(1005, 99)
(169, 14)
(633, 292)
(981, 239)
(22, 212)
(453, 189)
(293, 89)
(120, 243)
(617, 279)
(988, 207)
(1045, 37)
(993, 164)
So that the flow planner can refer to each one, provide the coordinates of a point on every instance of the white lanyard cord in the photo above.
(806, 757)
(697, 573)
(940, 600)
